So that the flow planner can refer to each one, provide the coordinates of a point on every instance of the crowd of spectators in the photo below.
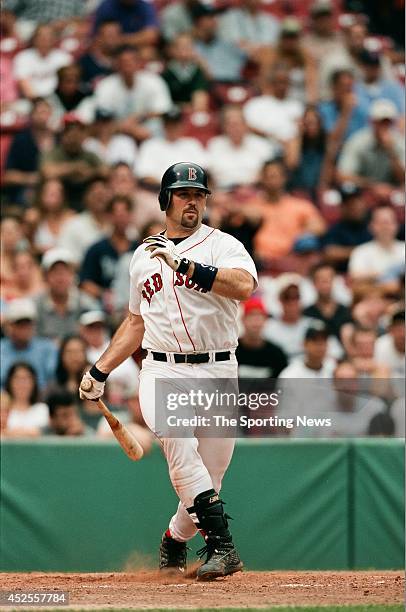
(296, 109)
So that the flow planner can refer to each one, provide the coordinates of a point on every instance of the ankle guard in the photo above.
(209, 511)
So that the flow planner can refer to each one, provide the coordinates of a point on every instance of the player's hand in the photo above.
(90, 388)
(162, 247)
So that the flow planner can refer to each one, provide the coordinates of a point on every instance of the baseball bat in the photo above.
(125, 438)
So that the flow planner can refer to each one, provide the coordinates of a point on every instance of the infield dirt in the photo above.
(149, 589)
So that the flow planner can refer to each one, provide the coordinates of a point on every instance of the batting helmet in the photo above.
(182, 174)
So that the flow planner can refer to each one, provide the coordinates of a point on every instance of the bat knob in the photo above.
(86, 385)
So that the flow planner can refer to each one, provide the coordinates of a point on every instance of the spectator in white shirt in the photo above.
(109, 145)
(27, 415)
(135, 96)
(88, 226)
(237, 156)
(123, 383)
(274, 113)
(157, 154)
(35, 68)
(250, 27)
(390, 348)
(314, 363)
(382, 258)
(288, 331)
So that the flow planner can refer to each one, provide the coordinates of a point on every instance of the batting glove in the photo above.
(90, 388)
(165, 249)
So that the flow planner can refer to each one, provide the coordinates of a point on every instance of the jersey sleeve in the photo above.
(231, 253)
(135, 295)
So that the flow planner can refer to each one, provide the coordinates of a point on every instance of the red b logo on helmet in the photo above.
(192, 174)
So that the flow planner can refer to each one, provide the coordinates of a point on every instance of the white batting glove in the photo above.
(165, 249)
(90, 388)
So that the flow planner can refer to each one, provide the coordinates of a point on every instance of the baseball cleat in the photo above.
(172, 554)
(222, 559)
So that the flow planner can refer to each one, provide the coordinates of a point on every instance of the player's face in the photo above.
(187, 207)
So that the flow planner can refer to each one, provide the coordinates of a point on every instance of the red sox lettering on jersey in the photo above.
(178, 315)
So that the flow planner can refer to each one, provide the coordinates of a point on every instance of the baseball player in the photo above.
(185, 285)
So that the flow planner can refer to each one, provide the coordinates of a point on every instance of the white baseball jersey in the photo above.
(178, 315)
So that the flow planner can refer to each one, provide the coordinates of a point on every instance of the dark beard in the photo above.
(189, 223)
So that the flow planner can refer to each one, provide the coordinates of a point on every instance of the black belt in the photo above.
(192, 358)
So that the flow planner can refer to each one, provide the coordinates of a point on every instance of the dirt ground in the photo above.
(148, 589)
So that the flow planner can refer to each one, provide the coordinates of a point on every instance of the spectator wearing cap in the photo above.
(70, 96)
(111, 146)
(236, 156)
(88, 226)
(27, 415)
(223, 60)
(35, 68)
(185, 76)
(137, 18)
(21, 344)
(285, 218)
(157, 154)
(122, 385)
(64, 417)
(382, 258)
(100, 262)
(288, 330)
(274, 112)
(21, 173)
(98, 61)
(136, 97)
(375, 85)
(257, 358)
(314, 363)
(250, 28)
(390, 348)
(322, 39)
(290, 52)
(62, 303)
(350, 231)
(346, 113)
(374, 158)
(326, 309)
(70, 163)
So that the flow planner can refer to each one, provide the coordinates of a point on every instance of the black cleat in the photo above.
(172, 555)
(222, 558)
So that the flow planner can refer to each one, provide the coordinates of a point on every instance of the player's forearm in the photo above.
(230, 283)
(124, 343)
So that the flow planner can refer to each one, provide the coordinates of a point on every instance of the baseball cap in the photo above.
(321, 7)
(173, 115)
(286, 280)
(54, 256)
(92, 316)
(203, 10)
(349, 190)
(369, 58)
(254, 304)
(103, 114)
(382, 109)
(20, 310)
(316, 330)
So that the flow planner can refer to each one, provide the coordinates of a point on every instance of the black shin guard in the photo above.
(209, 511)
